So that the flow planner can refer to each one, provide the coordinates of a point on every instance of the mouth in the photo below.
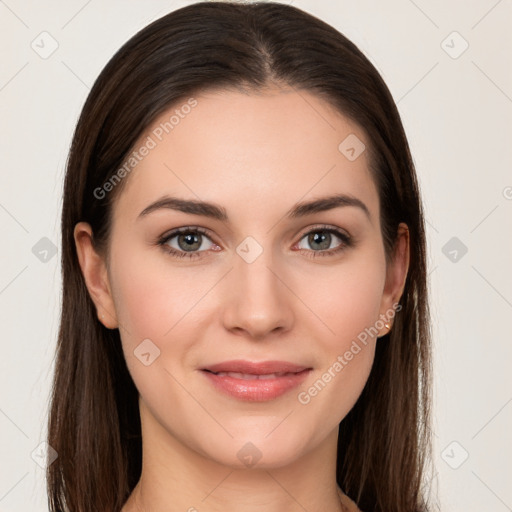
(252, 376)
(255, 382)
(255, 368)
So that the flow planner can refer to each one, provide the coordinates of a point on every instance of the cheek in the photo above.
(348, 305)
(346, 298)
(157, 304)
(151, 297)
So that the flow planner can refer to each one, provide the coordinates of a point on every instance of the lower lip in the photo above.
(256, 390)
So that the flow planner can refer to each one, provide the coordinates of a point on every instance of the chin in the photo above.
(253, 451)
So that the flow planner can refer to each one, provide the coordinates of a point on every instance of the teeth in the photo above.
(271, 376)
(249, 376)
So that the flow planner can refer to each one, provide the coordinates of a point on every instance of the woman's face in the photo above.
(265, 278)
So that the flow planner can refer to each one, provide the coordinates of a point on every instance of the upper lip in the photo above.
(256, 368)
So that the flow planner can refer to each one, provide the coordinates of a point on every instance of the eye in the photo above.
(320, 239)
(189, 241)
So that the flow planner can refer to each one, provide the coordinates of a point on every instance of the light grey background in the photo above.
(457, 112)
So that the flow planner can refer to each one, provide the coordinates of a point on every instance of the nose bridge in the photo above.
(259, 301)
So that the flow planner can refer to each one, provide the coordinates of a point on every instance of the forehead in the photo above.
(249, 151)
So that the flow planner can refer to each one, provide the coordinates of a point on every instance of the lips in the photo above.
(255, 382)
(262, 368)
(250, 376)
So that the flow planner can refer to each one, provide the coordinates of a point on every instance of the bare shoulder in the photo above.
(349, 504)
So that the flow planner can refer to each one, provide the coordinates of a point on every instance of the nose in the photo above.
(258, 301)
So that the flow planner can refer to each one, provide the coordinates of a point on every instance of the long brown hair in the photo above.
(384, 445)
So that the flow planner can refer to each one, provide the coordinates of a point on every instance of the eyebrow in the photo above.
(216, 212)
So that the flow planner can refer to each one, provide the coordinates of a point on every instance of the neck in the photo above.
(176, 477)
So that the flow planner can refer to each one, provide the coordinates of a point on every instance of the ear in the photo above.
(95, 274)
(396, 275)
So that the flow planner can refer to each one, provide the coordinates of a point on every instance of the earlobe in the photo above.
(95, 275)
(396, 276)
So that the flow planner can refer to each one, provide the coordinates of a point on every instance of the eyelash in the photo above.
(346, 241)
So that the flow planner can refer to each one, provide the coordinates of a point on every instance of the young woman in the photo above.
(245, 318)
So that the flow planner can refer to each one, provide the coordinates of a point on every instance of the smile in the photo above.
(255, 387)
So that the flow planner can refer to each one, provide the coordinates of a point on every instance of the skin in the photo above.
(256, 155)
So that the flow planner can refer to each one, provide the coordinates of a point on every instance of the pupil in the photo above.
(321, 239)
(190, 239)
